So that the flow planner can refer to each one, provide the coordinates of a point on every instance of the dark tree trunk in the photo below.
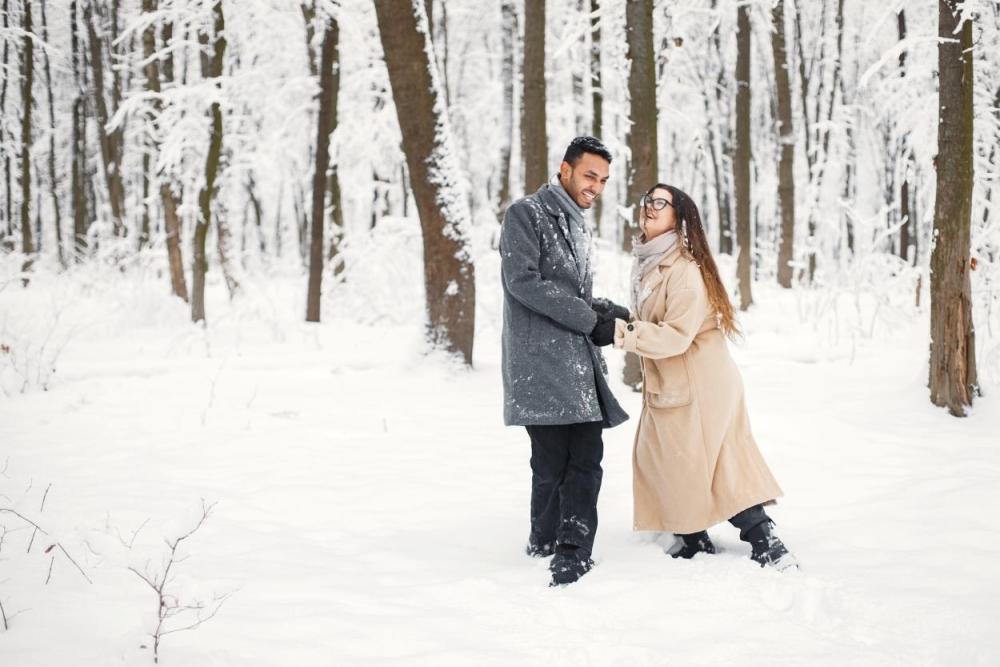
(643, 171)
(168, 199)
(534, 140)
(324, 125)
(907, 221)
(596, 90)
(721, 121)
(509, 38)
(953, 382)
(741, 159)
(7, 230)
(449, 274)
(109, 141)
(199, 266)
(53, 178)
(78, 153)
(333, 183)
(786, 140)
(27, 102)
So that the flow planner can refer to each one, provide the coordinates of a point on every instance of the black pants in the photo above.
(746, 521)
(565, 480)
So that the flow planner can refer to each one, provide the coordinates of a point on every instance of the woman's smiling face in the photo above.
(655, 222)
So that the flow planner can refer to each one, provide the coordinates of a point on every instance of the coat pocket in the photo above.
(673, 388)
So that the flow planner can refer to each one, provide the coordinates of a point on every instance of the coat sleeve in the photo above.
(520, 252)
(687, 308)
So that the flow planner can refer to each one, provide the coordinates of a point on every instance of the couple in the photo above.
(695, 462)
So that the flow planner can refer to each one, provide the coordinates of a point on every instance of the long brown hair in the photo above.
(694, 244)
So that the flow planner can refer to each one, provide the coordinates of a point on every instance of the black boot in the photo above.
(693, 543)
(536, 550)
(569, 564)
(767, 549)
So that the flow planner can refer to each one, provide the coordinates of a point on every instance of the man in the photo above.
(554, 377)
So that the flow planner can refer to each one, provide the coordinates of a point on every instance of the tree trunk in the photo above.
(108, 142)
(324, 125)
(449, 274)
(953, 382)
(333, 183)
(7, 230)
(721, 118)
(78, 138)
(741, 159)
(534, 140)
(53, 178)
(907, 221)
(509, 38)
(643, 171)
(596, 91)
(199, 266)
(27, 102)
(786, 140)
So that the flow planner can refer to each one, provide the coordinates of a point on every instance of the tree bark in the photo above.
(199, 266)
(78, 139)
(168, 199)
(108, 141)
(786, 140)
(7, 230)
(449, 274)
(643, 170)
(324, 125)
(509, 39)
(596, 91)
(953, 382)
(741, 159)
(27, 102)
(907, 221)
(534, 139)
(53, 179)
(333, 183)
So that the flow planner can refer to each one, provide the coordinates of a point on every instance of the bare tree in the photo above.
(786, 140)
(78, 139)
(741, 159)
(213, 69)
(449, 274)
(953, 382)
(534, 140)
(509, 39)
(642, 171)
(27, 102)
(53, 179)
(324, 125)
(596, 89)
(110, 141)
(7, 230)
(333, 181)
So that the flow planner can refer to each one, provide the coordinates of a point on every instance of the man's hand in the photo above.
(604, 331)
(607, 307)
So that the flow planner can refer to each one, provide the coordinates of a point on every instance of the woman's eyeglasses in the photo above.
(655, 203)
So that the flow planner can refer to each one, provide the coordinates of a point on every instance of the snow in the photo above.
(372, 509)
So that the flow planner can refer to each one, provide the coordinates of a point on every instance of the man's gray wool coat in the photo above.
(552, 372)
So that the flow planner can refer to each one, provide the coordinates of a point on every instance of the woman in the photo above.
(695, 462)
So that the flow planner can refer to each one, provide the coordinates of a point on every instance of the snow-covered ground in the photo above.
(372, 508)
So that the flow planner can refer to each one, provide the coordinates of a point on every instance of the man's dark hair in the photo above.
(582, 145)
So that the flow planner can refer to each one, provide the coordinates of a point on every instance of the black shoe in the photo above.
(693, 543)
(569, 564)
(536, 550)
(767, 550)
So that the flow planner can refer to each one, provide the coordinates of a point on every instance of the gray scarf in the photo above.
(647, 255)
(579, 236)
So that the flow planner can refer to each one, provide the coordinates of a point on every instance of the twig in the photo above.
(4, 615)
(75, 564)
(44, 496)
(52, 561)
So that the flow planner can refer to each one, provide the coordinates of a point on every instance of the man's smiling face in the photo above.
(585, 181)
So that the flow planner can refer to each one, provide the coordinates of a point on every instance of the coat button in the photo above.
(631, 327)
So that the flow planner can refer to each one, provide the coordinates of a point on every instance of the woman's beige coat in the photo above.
(695, 462)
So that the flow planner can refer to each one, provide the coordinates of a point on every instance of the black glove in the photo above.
(604, 331)
(607, 307)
